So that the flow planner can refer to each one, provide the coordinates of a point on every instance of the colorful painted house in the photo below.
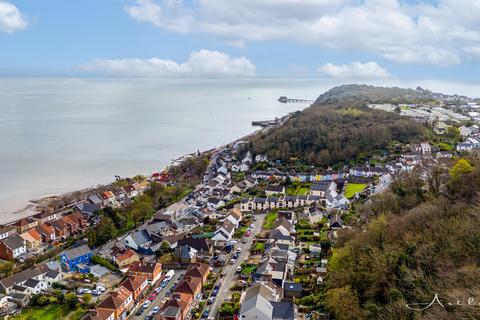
(76, 259)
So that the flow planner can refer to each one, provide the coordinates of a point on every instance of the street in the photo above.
(158, 299)
(231, 269)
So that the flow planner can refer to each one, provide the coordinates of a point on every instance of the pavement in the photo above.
(230, 270)
(158, 299)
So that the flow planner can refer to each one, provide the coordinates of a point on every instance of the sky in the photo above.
(347, 40)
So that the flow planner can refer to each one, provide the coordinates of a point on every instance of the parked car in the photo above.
(150, 315)
(101, 288)
(139, 312)
(239, 269)
(157, 290)
(232, 261)
(152, 297)
(96, 292)
(146, 303)
(211, 300)
(244, 240)
(156, 309)
(85, 290)
(205, 313)
(252, 226)
(248, 233)
(239, 250)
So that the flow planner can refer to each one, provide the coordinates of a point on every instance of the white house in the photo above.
(465, 131)
(426, 148)
(225, 232)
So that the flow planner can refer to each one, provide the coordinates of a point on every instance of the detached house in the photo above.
(124, 257)
(139, 241)
(108, 198)
(76, 259)
(262, 301)
(12, 247)
(225, 232)
(86, 208)
(234, 216)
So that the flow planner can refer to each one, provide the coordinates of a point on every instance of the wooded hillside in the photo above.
(324, 135)
(418, 243)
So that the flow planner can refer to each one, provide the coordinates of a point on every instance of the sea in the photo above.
(65, 134)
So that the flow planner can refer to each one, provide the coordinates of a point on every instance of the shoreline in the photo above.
(35, 206)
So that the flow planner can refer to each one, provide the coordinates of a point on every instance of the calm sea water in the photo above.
(59, 135)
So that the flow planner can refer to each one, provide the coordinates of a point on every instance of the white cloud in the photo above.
(200, 64)
(355, 70)
(393, 29)
(11, 19)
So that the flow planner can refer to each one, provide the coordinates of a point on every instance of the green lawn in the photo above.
(354, 188)
(50, 312)
(270, 220)
(297, 190)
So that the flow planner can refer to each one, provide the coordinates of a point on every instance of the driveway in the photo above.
(231, 274)
(158, 299)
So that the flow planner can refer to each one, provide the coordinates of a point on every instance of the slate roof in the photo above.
(320, 186)
(292, 286)
(200, 244)
(273, 188)
(23, 276)
(31, 283)
(283, 310)
(14, 241)
(77, 252)
(141, 237)
(87, 207)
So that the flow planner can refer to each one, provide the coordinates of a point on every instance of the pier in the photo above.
(284, 99)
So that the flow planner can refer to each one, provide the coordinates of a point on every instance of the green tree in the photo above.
(461, 167)
(6, 268)
(71, 300)
(453, 133)
(87, 298)
(343, 304)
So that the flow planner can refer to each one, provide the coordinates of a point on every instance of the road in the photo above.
(230, 270)
(158, 299)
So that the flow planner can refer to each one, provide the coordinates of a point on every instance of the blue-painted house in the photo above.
(77, 259)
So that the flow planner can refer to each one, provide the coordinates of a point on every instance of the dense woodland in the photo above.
(421, 238)
(323, 134)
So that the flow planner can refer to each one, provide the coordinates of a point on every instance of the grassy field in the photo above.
(50, 312)
(354, 188)
(270, 220)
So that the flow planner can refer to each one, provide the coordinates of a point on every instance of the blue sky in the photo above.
(341, 39)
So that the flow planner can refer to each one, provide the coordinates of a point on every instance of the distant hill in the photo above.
(338, 127)
(360, 94)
